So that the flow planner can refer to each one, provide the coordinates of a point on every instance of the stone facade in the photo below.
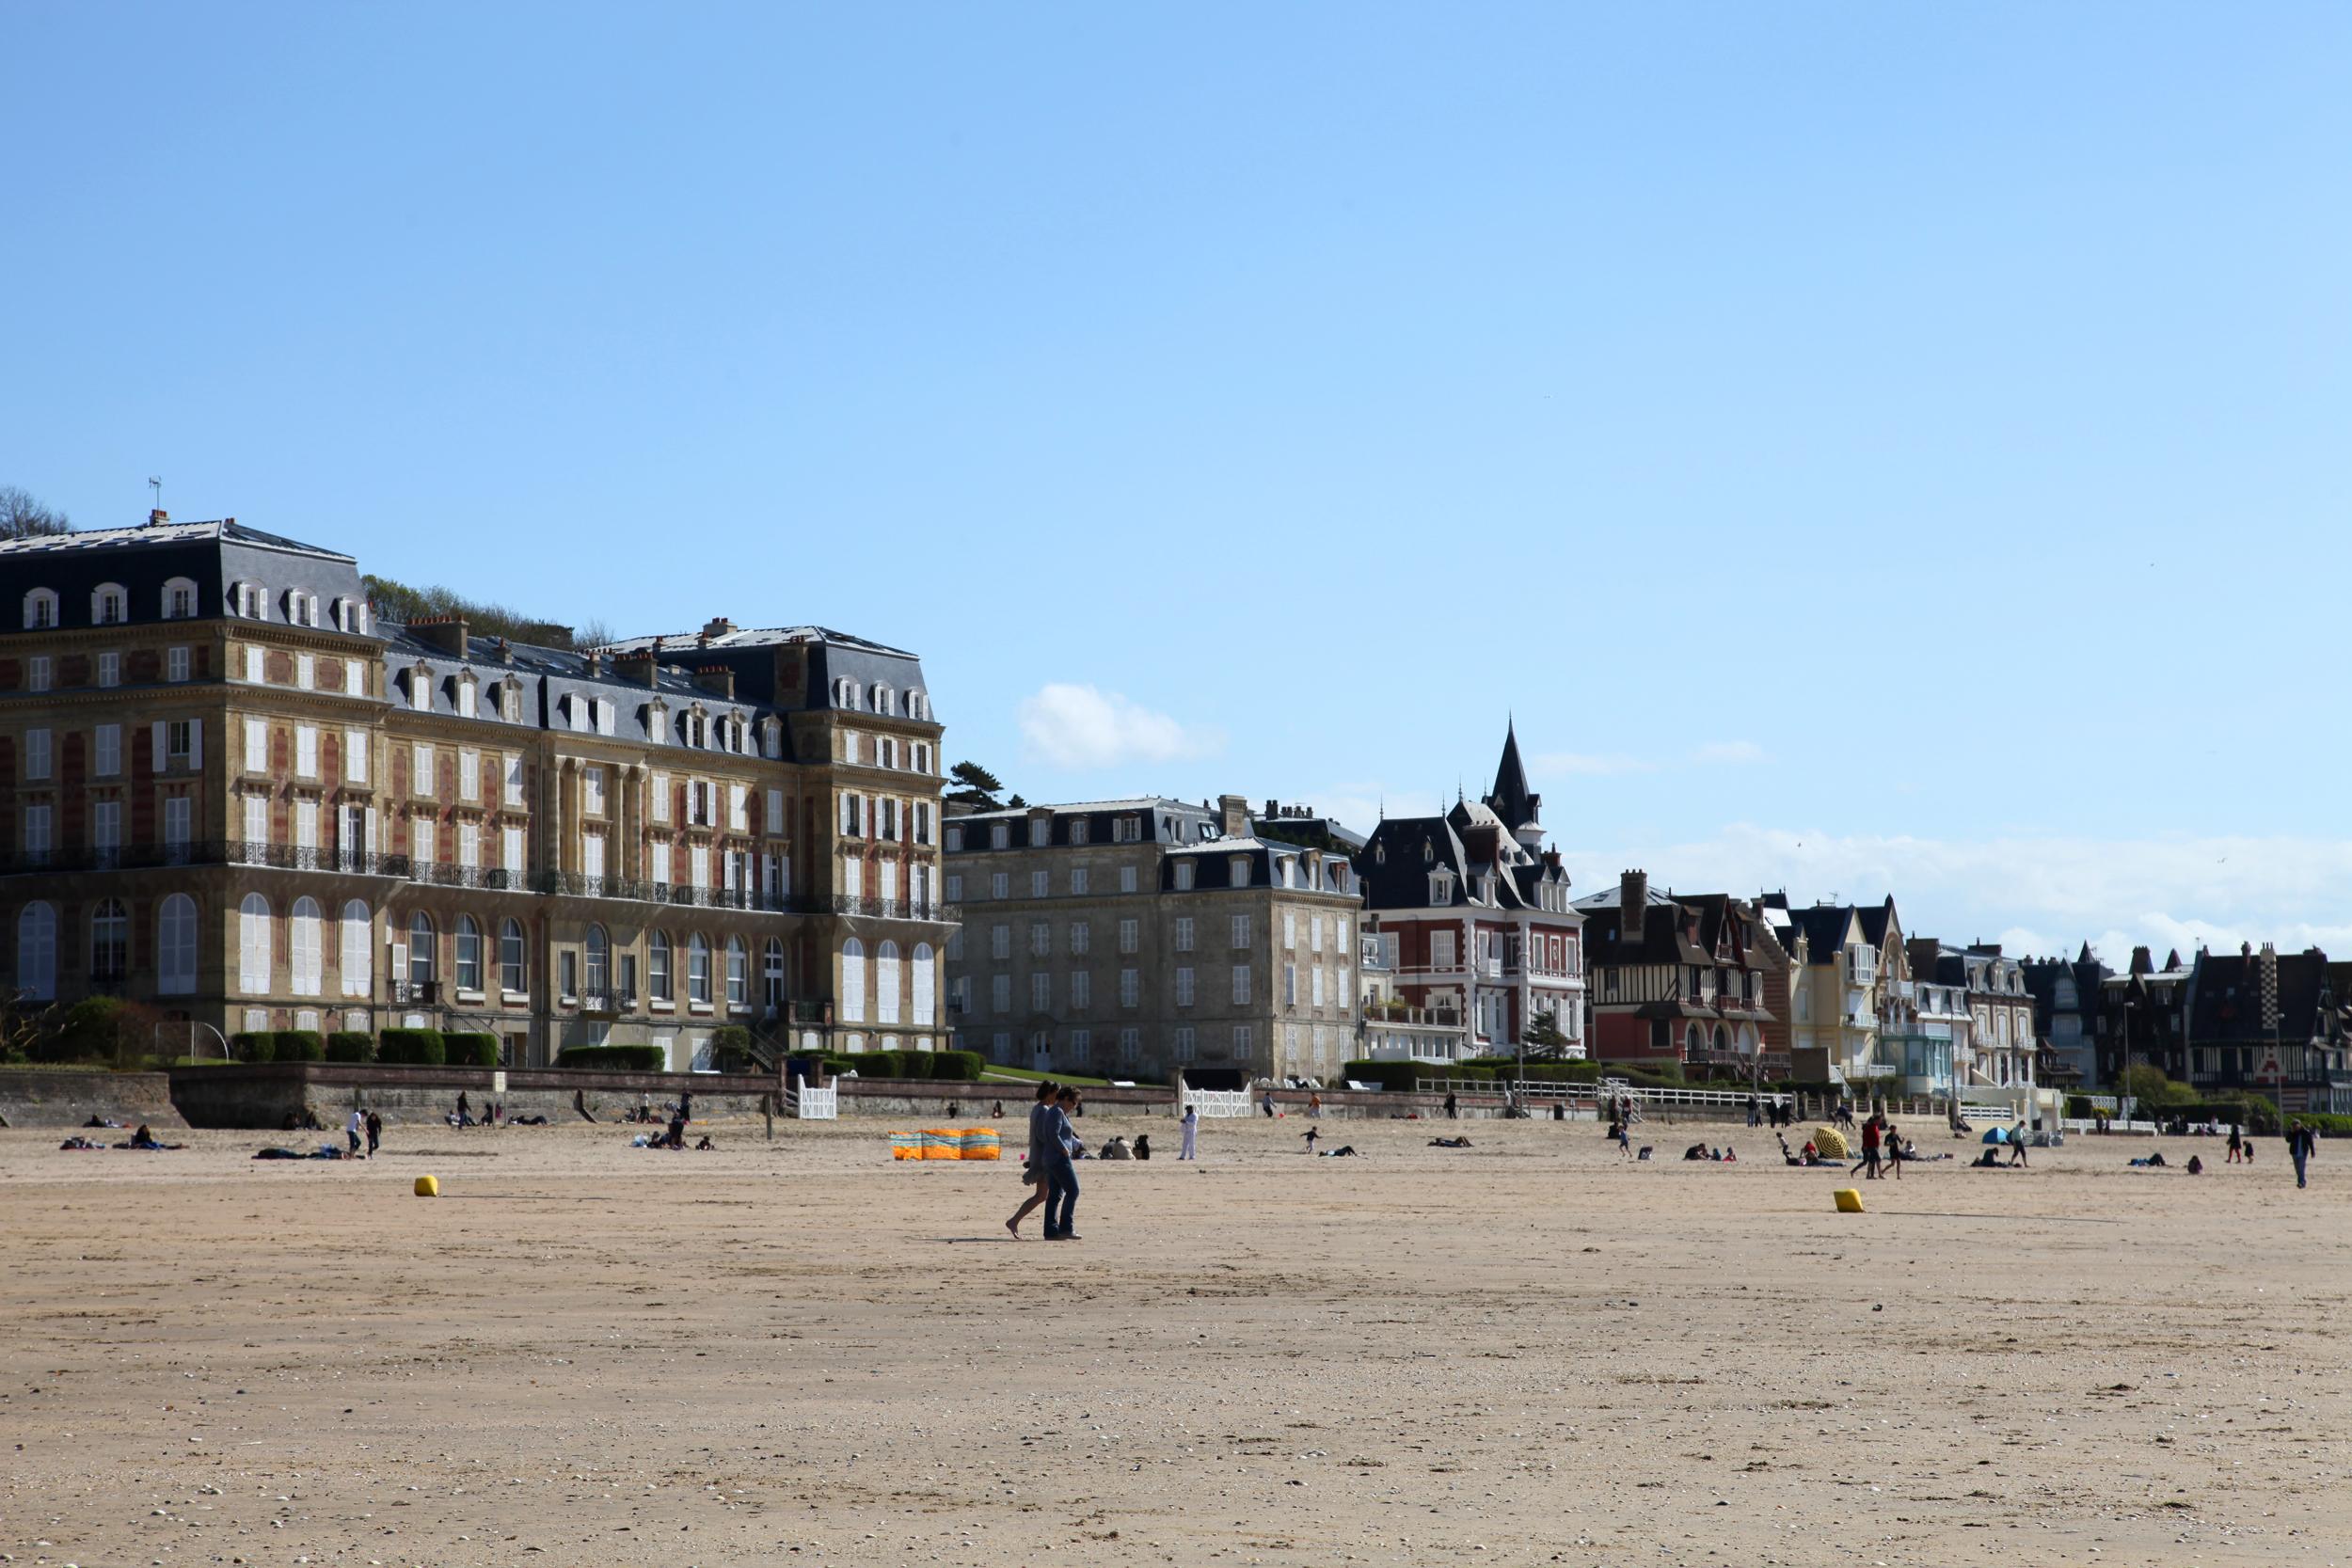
(1139, 938)
(231, 793)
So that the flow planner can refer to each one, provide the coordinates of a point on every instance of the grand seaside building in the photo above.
(236, 794)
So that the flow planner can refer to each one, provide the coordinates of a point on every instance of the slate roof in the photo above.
(2225, 998)
(1511, 800)
(153, 534)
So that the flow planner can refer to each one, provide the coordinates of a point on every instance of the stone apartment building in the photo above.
(1847, 965)
(235, 794)
(1146, 937)
(2000, 1046)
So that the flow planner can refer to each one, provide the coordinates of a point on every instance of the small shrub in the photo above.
(411, 1047)
(300, 1045)
(962, 1067)
(351, 1045)
(254, 1046)
(469, 1050)
(613, 1059)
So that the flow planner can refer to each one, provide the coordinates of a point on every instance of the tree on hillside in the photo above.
(976, 786)
(22, 518)
(483, 618)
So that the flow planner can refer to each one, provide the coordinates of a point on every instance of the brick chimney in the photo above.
(1235, 811)
(717, 679)
(445, 632)
(1632, 905)
(718, 626)
(637, 665)
(158, 518)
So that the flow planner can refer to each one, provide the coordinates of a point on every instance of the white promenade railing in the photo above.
(1217, 1102)
(1531, 1092)
(813, 1105)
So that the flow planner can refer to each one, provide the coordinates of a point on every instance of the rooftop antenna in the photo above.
(157, 485)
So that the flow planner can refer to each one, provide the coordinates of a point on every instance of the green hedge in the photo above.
(614, 1058)
(254, 1046)
(300, 1045)
(2326, 1123)
(351, 1045)
(411, 1047)
(470, 1049)
(962, 1067)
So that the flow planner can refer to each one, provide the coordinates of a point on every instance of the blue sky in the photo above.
(1863, 446)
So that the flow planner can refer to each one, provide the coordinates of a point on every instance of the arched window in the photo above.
(1692, 1039)
(180, 599)
(175, 945)
(302, 610)
(924, 984)
(739, 974)
(109, 605)
(772, 963)
(469, 953)
(302, 947)
(351, 615)
(1723, 1038)
(41, 609)
(254, 961)
(511, 971)
(359, 950)
(420, 942)
(886, 983)
(886, 701)
(698, 970)
(246, 599)
(109, 940)
(852, 981)
(599, 950)
(918, 704)
(657, 985)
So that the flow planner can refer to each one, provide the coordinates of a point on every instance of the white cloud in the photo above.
(1581, 765)
(1069, 725)
(2039, 895)
(1728, 751)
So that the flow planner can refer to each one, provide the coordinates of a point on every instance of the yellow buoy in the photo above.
(1849, 1200)
(428, 1186)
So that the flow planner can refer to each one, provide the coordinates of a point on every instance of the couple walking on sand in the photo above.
(1053, 1148)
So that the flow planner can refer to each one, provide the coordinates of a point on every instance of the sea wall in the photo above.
(261, 1096)
(41, 1098)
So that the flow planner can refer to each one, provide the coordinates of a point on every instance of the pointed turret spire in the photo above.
(1519, 807)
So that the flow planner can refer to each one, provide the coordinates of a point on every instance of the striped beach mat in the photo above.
(905, 1146)
(978, 1143)
(941, 1143)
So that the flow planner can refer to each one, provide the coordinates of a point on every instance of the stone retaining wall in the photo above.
(33, 1098)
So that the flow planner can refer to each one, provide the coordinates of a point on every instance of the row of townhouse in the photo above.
(236, 793)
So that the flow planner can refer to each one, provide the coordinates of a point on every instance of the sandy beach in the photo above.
(1522, 1353)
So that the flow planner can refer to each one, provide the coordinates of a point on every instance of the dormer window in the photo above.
(1237, 871)
(180, 599)
(1184, 875)
(1440, 887)
(771, 738)
(601, 714)
(302, 610)
(420, 689)
(247, 601)
(350, 615)
(109, 605)
(511, 700)
(697, 728)
(886, 701)
(465, 697)
(918, 704)
(40, 610)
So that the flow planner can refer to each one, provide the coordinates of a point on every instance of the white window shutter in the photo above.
(156, 757)
(371, 830)
(195, 743)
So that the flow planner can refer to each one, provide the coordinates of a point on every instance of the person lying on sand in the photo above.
(1344, 1151)
(77, 1141)
(1449, 1143)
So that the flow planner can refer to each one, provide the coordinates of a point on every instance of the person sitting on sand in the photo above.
(707, 1144)
(1143, 1146)
(2195, 1166)
(1696, 1151)
(1989, 1160)
(1731, 1156)
(1117, 1149)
